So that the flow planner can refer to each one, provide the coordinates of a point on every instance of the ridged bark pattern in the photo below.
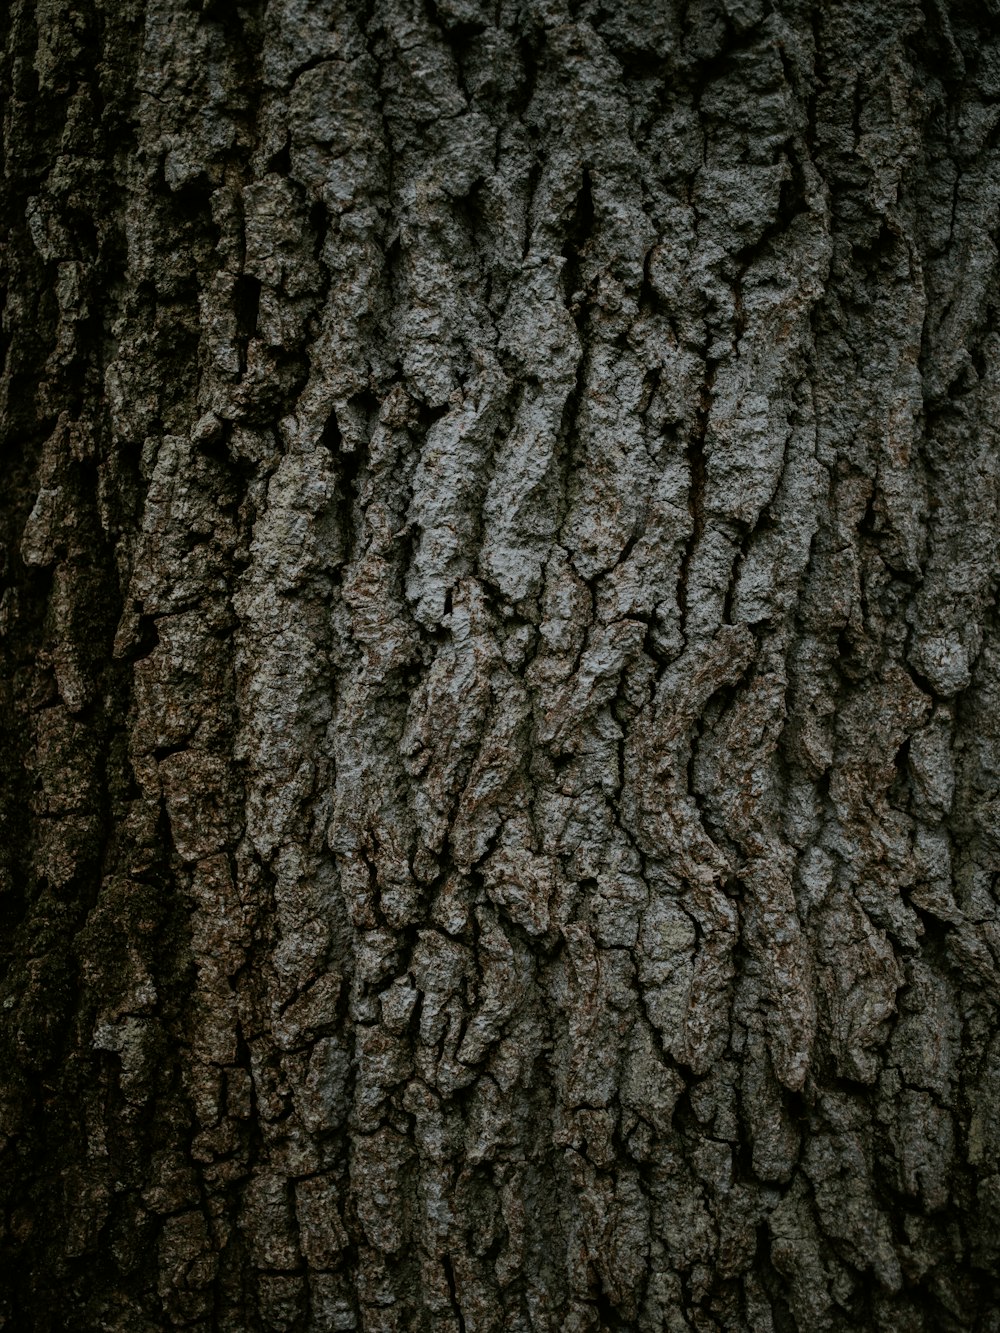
(501, 668)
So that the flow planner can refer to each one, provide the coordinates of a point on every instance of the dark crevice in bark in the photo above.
(696, 489)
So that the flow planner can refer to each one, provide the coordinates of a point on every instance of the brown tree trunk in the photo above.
(501, 669)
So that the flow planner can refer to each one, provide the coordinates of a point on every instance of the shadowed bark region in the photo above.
(500, 667)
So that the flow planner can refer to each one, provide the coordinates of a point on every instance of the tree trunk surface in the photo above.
(501, 666)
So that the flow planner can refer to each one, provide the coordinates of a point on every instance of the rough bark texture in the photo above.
(501, 670)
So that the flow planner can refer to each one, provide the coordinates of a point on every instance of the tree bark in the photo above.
(501, 667)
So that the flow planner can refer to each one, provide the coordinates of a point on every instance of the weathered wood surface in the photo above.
(501, 672)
